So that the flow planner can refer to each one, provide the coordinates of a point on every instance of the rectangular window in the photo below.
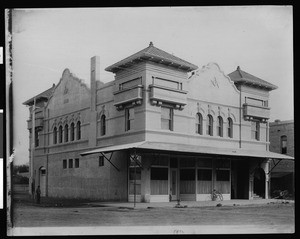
(129, 118)
(159, 173)
(101, 161)
(161, 161)
(167, 118)
(204, 163)
(64, 163)
(70, 163)
(36, 136)
(283, 144)
(77, 163)
(159, 181)
(255, 130)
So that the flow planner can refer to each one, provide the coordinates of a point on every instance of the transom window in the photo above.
(167, 118)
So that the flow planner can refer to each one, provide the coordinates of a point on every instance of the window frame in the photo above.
(60, 134)
(102, 125)
(209, 125)
(255, 130)
(229, 128)
(101, 161)
(283, 139)
(36, 138)
(70, 163)
(220, 126)
(129, 118)
(72, 131)
(78, 130)
(76, 163)
(55, 135)
(199, 124)
(170, 118)
(65, 163)
(66, 133)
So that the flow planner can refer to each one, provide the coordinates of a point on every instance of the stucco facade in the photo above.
(161, 100)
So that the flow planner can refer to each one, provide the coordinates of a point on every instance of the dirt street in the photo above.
(274, 217)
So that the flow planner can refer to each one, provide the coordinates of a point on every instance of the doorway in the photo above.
(174, 184)
(42, 175)
(239, 180)
(259, 182)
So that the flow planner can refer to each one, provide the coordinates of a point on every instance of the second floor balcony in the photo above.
(39, 119)
(128, 96)
(162, 94)
(258, 112)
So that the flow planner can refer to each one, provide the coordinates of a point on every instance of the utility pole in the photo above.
(31, 181)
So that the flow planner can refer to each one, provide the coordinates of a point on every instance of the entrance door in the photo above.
(43, 181)
(174, 184)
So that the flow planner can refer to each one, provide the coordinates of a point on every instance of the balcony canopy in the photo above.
(187, 149)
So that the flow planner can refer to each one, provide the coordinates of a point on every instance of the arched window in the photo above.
(55, 135)
(220, 126)
(209, 125)
(229, 128)
(199, 124)
(283, 144)
(60, 134)
(66, 133)
(72, 131)
(103, 125)
(78, 130)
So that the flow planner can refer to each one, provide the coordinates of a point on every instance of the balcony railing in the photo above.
(39, 119)
(161, 94)
(128, 96)
(257, 112)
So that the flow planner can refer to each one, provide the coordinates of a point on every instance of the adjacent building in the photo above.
(282, 142)
(162, 130)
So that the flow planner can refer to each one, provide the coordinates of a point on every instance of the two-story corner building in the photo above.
(162, 130)
(282, 142)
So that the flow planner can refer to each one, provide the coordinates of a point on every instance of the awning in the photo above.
(189, 149)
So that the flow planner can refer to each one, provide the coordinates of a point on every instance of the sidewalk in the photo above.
(235, 202)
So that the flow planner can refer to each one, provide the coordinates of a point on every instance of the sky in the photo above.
(259, 39)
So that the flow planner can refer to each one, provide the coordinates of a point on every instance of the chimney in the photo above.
(95, 76)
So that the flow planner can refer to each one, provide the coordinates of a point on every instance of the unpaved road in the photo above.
(269, 218)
